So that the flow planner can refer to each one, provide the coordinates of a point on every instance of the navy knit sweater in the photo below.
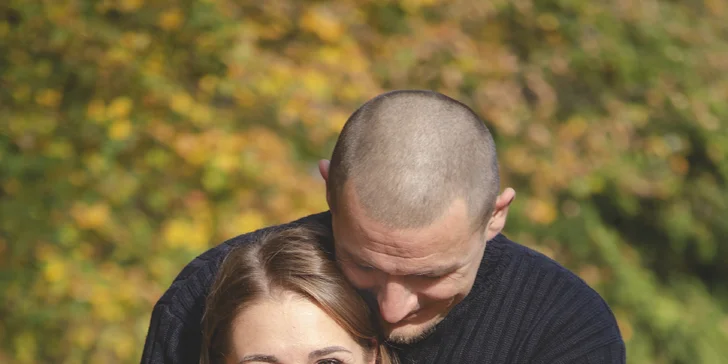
(523, 308)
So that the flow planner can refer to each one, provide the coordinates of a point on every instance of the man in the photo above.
(416, 215)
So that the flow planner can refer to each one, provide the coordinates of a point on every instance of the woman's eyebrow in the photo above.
(259, 358)
(326, 351)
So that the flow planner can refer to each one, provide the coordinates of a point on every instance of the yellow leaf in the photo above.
(135, 40)
(716, 152)
(208, 83)
(337, 120)
(55, 270)
(130, 5)
(317, 84)
(4, 29)
(160, 268)
(48, 97)
(175, 233)
(350, 93)
(520, 160)
(111, 312)
(625, 326)
(120, 129)
(548, 22)
(411, 6)
(679, 164)
(541, 211)
(249, 221)
(171, 19)
(657, 146)
(244, 97)
(181, 103)
(77, 178)
(103, 305)
(124, 346)
(332, 56)
(119, 108)
(127, 291)
(25, 347)
(573, 129)
(83, 336)
(96, 110)
(154, 64)
(90, 216)
(11, 186)
(119, 55)
(200, 114)
(59, 149)
(323, 23)
(21, 93)
(716, 7)
(227, 162)
(43, 69)
(192, 149)
(198, 237)
(590, 274)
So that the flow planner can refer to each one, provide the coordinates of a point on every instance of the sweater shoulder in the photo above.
(524, 257)
(566, 310)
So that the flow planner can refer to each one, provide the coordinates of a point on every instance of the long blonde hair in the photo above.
(292, 260)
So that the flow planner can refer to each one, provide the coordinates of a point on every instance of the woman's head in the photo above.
(283, 300)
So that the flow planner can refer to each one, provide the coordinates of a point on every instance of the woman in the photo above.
(283, 300)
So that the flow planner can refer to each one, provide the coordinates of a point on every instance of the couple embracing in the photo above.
(409, 265)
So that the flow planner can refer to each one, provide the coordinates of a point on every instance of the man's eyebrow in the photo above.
(259, 358)
(436, 272)
(326, 351)
(348, 256)
(433, 272)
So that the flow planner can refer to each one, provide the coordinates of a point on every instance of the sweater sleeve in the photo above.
(165, 342)
(175, 332)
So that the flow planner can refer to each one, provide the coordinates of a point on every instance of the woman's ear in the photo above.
(374, 358)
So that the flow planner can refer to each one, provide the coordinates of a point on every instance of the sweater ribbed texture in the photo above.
(523, 308)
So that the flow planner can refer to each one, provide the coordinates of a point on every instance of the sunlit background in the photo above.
(136, 134)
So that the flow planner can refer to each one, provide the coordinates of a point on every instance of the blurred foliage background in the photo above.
(135, 134)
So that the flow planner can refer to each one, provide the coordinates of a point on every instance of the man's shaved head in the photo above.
(408, 155)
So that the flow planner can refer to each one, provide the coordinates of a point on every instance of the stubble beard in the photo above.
(413, 336)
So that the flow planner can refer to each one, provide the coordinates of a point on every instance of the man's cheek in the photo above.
(439, 292)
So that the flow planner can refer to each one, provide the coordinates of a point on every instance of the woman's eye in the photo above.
(329, 361)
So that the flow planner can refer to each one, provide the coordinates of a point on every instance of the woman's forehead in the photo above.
(286, 324)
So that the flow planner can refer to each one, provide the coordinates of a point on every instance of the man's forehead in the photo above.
(413, 243)
(402, 257)
(453, 226)
(398, 265)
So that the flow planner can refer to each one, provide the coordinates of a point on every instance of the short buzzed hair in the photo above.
(409, 154)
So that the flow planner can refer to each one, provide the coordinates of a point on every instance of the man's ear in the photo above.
(500, 213)
(324, 170)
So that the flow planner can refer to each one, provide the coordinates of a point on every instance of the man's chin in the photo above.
(410, 333)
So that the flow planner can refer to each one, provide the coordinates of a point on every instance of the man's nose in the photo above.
(395, 300)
